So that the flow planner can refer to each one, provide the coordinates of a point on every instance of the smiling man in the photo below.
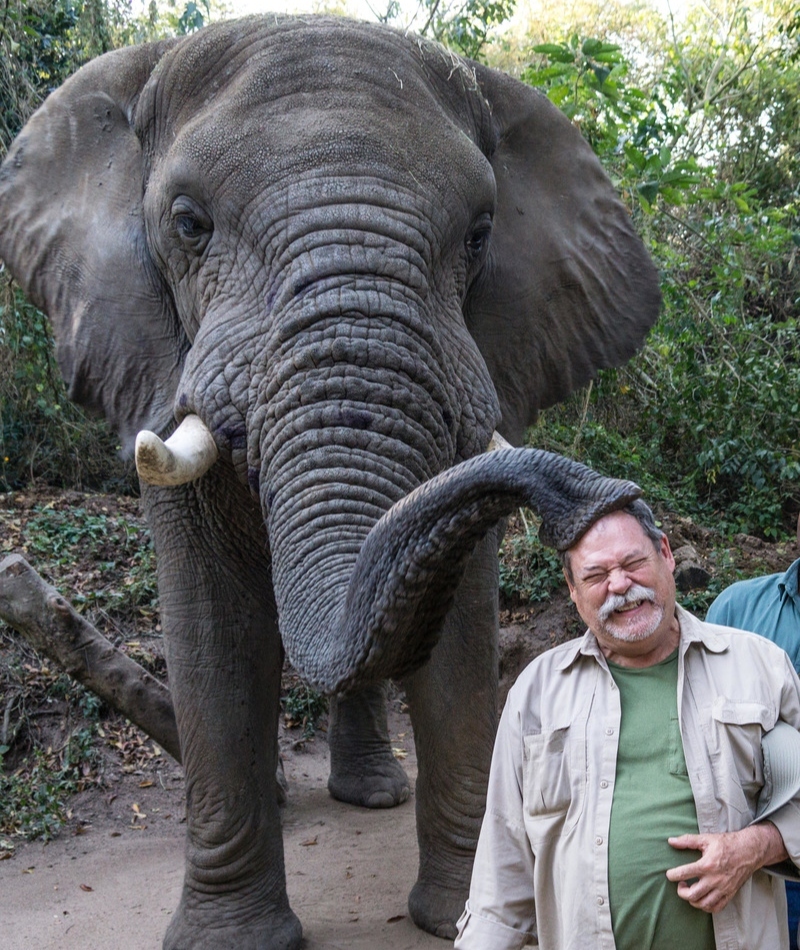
(628, 773)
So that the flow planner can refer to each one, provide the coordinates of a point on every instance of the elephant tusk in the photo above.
(187, 454)
(497, 442)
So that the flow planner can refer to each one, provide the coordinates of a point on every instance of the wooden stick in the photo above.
(49, 623)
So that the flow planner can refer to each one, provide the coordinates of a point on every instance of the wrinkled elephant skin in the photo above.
(351, 256)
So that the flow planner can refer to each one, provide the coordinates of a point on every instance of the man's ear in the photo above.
(570, 585)
(666, 552)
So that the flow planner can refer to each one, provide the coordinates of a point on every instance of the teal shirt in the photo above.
(767, 605)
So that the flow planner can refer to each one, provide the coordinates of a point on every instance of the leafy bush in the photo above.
(43, 436)
(705, 418)
(303, 706)
(34, 794)
(529, 571)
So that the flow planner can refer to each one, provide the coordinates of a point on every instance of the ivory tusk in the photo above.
(497, 442)
(187, 454)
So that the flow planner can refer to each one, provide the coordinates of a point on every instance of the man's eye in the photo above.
(636, 565)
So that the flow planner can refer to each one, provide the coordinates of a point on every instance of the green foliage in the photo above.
(465, 26)
(529, 572)
(34, 794)
(304, 707)
(100, 554)
(42, 434)
(705, 418)
(33, 800)
(123, 581)
(192, 17)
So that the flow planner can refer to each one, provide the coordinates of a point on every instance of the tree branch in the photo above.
(46, 620)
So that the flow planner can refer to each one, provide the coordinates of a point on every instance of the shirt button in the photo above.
(604, 784)
(598, 840)
(600, 902)
(609, 732)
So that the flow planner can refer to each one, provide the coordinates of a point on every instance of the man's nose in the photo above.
(618, 581)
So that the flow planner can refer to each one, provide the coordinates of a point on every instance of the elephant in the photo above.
(307, 267)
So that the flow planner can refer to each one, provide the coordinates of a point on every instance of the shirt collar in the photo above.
(692, 631)
(789, 582)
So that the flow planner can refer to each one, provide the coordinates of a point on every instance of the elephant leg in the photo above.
(363, 769)
(224, 663)
(453, 702)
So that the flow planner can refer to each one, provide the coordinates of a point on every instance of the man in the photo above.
(767, 605)
(627, 771)
(770, 606)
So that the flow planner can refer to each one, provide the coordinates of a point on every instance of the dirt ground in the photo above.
(111, 878)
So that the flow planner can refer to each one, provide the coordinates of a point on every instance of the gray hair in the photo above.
(637, 509)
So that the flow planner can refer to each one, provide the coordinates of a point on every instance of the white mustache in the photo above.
(615, 601)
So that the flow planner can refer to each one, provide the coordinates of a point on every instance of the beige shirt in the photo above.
(542, 855)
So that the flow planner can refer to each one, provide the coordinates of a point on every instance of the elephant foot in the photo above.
(280, 931)
(379, 783)
(436, 909)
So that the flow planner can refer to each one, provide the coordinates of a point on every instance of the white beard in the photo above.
(637, 629)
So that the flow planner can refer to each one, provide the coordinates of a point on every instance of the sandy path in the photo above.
(346, 886)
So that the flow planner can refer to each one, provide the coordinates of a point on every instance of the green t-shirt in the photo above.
(652, 801)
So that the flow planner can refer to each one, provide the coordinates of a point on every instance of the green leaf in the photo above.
(648, 190)
(561, 54)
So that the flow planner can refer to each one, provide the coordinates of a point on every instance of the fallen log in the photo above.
(54, 628)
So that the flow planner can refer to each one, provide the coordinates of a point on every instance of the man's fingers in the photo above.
(688, 842)
(709, 900)
(684, 873)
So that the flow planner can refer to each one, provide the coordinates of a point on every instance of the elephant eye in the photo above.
(192, 225)
(478, 237)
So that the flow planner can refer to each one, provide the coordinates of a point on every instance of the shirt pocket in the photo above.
(554, 781)
(738, 728)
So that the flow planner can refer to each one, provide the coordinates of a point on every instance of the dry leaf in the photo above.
(309, 841)
(393, 920)
(85, 887)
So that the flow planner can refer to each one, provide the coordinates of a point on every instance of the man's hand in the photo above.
(727, 861)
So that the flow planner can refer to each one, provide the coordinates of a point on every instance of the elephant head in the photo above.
(352, 283)
(341, 257)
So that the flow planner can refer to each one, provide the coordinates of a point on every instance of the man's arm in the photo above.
(500, 913)
(727, 861)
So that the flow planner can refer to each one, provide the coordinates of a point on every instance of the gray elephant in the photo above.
(341, 258)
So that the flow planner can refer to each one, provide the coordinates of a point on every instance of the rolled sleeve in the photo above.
(480, 933)
(787, 821)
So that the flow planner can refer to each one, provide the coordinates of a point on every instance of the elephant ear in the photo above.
(72, 234)
(569, 287)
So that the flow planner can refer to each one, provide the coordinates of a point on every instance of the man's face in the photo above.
(623, 587)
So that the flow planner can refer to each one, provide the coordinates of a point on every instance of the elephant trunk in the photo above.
(398, 584)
